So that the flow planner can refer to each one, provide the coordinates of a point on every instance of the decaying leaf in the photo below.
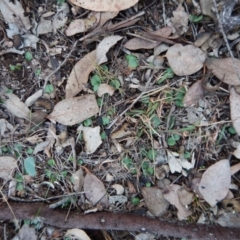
(185, 60)
(77, 234)
(215, 182)
(5, 127)
(104, 46)
(179, 21)
(94, 190)
(83, 25)
(194, 94)
(74, 110)
(77, 180)
(226, 69)
(155, 201)
(229, 219)
(7, 166)
(138, 43)
(15, 106)
(105, 88)
(176, 164)
(170, 193)
(235, 168)
(235, 109)
(231, 205)
(27, 232)
(105, 5)
(79, 74)
(91, 137)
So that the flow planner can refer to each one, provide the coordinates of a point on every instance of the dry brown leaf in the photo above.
(179, 21)
(235, 109)
(215, 182)
(229, 219)
(105, 88)
(77, 180)
(104, 46)
(138, 43)
(235, 168)
(185, 197)
(185, 60)
(225, 70)
(104, 5)
(170, 193)
(119, 189)
(83, 25)
(15, 106)
(91, 137)
(74, 110)
(7, 166)
(27, 232)
(94, 190)
(122, 132)
(80, 73)
(155, 201)
(194, 94)
(231, 205)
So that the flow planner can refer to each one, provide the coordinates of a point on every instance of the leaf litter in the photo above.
(152, 132)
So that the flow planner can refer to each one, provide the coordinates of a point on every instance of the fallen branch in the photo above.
(115, 221)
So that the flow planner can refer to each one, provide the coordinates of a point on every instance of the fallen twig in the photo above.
(115, 221)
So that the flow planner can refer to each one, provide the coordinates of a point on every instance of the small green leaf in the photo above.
(87, 122)
(232, 130)
(95, 82)
(12, 67)
(171, 141)
(135, 201)
(155, 120)
(150, 170)
(132, 61)
(100, 102)
(30, 151)
(103, 135)
(166, 75)
(187, 155)
(145, 164)
(115, 83)
(105, 120)
(152, 154)
(148, 184)
(49, 88)
(176, 137)
(38, 72)
(51, 162)
(195, 18)
(60, 2)
(29, 165)
(28, 56)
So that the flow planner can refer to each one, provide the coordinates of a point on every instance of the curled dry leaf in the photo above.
(77, 180)
(122, 132)
(94, 190)
(104, 46)
(119, 188)
(194, 94)
(170, 193)
(215, 182)
(235, 109)
(138, 43)
(105, 88)
(104, 5)
(155, 201)
(74, 110)
(185, 60)
(7, 166)
(80, 73)
(226, 69)
(83, 25)
(77, 233)
(91, 137)
(15, 106)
